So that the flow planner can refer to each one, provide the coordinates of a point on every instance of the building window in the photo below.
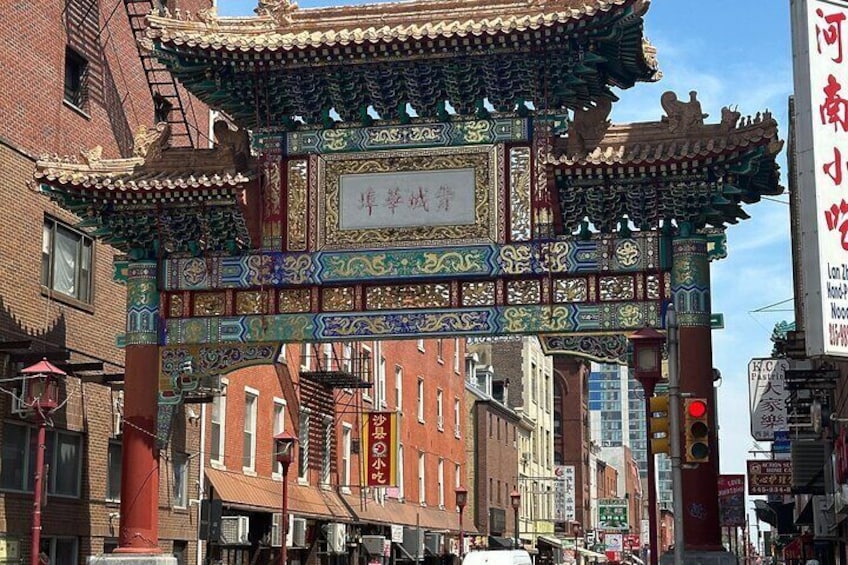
(439, 345)
(328, 451)
(456, 355)
(113, 480)
(279, 427)
(76, 68)
(180, 490)
(440, 418)
(398, 387)
(420, 400)
(457, 476)
(60, 550)
(328, 357)
(400, 472)
(421, 345)
(306, 357)
(380, 401)
(457, 430)
(216, 431)
(66, 261)
(367, 372)
(533, 392)
(422, 498)
(347, 434)
(248, 460)
(440, 477)
(347, 357)
(63, 453)
(303, 452)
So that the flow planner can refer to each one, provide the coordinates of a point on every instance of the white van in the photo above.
(497, 557)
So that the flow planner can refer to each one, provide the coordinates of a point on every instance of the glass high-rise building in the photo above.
(617, 414)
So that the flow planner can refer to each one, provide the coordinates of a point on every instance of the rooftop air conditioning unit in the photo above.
(235, 530)
(297, 533)
(336, 538)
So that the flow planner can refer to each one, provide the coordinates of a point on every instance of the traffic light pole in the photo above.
(674, 403)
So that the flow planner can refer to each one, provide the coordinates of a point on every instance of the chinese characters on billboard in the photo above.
(381, 436)
(731, 500)
(768, 397)
(821, 145)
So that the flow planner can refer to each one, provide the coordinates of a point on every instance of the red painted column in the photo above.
(691, 291)
(139, 531)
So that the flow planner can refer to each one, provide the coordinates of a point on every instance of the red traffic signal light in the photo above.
(697, 431)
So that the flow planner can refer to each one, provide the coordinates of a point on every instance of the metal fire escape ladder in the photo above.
(162, 85)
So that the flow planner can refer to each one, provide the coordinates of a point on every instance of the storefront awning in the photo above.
(265, 495)
(588, 553)
(392, 512)
(548, 540)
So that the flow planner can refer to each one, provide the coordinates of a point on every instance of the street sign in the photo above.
(717, 321)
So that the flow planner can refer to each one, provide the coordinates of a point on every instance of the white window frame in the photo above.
(399, 388)
(281, 356)
(83, 290)
(109, 477)
(306, 356)
(381, 383)
(328, 356)
(421, 345)
(457, 474)
(457, 418)
(327, 437)
(367, 356)
(420, 392)
(422, 482)
(251, 419)
(279, 423)
(180, 499)
(440, 351)
(440, 477)
(347, 442)
(303, 446)
(222, 435)
(347, 356)
(400, 472)
(29, 464)
(440, 413)
(456, 364)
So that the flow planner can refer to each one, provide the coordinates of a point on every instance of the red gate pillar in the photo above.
(690, 285)
(139, 532)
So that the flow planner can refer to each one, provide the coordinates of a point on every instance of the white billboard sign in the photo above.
(820, 47)
(565, 508)
(768, 397)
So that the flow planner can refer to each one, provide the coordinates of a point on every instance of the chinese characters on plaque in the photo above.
(564, 503)
(772, 476)
(381, 438)
(768, 397)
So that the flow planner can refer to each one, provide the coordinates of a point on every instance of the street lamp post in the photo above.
(461, 501)
(515, 500)
(285, 445)
(647, 369)
(41, 394)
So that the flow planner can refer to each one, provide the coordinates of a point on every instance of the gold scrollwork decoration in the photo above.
(337, 299)
(571, 290)
(209, 304)
(294, 300)
(617, 288)
(478, 293)
(395, 297)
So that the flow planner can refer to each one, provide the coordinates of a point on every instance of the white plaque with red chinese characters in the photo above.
(819, 34)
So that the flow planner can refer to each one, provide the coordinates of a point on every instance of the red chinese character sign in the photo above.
(380, 449)
(819, 34)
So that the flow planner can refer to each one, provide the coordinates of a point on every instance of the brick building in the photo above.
(330, 508)
(78, 82)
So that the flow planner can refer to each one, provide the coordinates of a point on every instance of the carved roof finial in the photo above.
(280, 10)
(682, 116)
(148, 143)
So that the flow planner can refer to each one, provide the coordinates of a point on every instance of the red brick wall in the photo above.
(496, 466)
(35, 120)
(575, 428)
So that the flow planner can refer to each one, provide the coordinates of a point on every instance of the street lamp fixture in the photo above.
(646, 362)
(461, 500)
(284, 443)
(41, 393)
(515, 500)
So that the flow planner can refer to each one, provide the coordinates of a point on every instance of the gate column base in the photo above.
(701, 558)
(124, 559)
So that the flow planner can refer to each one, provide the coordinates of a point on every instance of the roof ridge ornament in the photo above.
(682, 116)
(588, 127)
(149, 143)
(280, 10)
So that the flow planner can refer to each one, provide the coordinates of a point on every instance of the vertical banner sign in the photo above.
(381, 438)
(564, 504)
(731, 500)
(820, 52)
(768, 397)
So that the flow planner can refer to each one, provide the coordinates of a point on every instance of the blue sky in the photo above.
(737, 53)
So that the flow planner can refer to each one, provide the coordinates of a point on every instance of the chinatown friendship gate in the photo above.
(413, 170)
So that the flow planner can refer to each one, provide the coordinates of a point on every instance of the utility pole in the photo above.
(674, 404)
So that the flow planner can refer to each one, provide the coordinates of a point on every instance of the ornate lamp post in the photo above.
(41, 394)
(461, 501)
(647, 369)
(515, 500)
(285, 446)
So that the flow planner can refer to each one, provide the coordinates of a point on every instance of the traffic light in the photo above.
(659, 424)
(697, 430)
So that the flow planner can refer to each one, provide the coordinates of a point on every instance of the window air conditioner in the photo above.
(19, 407)
(297, 533)
(336, 538)
(235, 530)
(277, 529)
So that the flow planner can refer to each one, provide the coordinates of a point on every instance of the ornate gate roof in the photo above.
(287, 62)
